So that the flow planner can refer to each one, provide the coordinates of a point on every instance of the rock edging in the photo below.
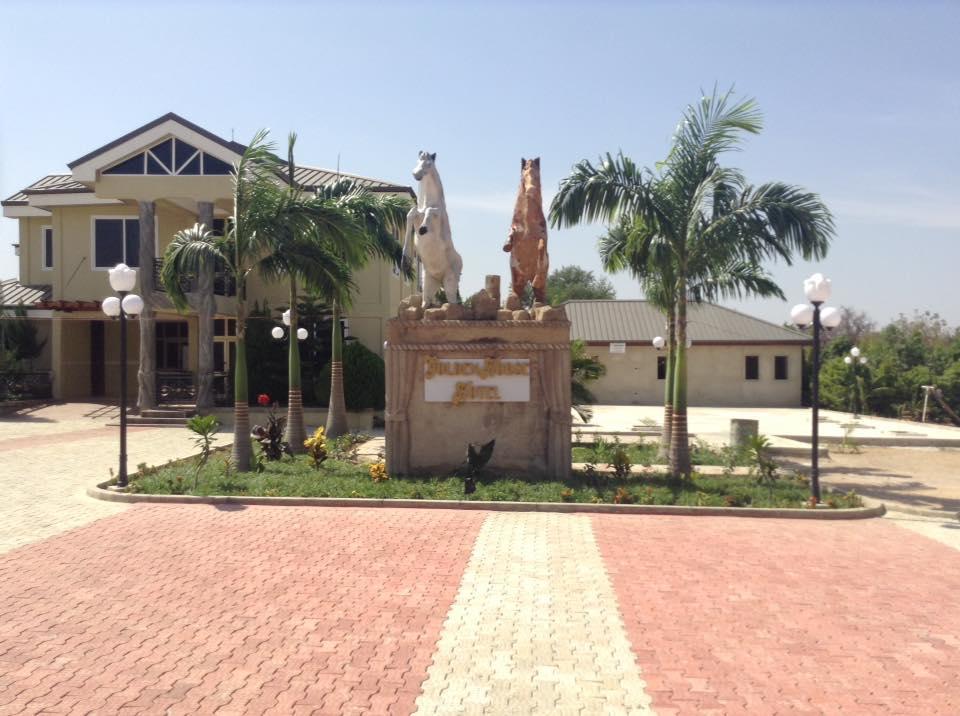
(100, 492)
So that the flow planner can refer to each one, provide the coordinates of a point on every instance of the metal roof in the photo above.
(14, 293)
(639, 322)
(50, 184)
(310, 177)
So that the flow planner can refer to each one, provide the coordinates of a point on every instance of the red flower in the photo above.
(263, 399)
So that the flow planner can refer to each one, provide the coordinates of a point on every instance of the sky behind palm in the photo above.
(861, 103)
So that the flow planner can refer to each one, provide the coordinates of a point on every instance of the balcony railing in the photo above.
(223, 281)
(179, 386)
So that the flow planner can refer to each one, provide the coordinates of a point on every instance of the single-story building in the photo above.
(734, 359)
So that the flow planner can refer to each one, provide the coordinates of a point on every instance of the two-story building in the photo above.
(76, 226)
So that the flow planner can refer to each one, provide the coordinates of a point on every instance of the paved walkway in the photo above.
(50, 455)
(270, 610)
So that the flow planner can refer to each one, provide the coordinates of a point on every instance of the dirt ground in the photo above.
(919, 478)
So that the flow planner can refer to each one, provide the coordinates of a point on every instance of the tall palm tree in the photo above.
(276, 236)
(254, 205)
(622, 248)
(378, 220)
(697, 211)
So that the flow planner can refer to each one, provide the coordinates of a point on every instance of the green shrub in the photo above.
(364, 379)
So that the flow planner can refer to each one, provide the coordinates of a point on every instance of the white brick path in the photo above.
(535, 627)
(48, 457)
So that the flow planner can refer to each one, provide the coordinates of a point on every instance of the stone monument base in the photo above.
(451, 383)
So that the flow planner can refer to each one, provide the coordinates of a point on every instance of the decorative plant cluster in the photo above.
(316, 446)
(378, 472)
(270, 438)
(204, 427)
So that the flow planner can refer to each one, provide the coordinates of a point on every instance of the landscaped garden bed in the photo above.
(346, 478)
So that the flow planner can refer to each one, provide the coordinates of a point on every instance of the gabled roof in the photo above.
(50, 184)
(14, 293)
(232, 146)
(639, 322)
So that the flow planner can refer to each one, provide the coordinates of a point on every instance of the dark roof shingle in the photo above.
(14, 293)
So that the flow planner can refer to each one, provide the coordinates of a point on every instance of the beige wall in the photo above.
(715, 376)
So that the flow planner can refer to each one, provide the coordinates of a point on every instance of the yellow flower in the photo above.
(378, 472)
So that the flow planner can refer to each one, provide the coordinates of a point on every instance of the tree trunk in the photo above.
(206, 307)
(679, 440)
(241, 403)
(147, 371)
(337, 410)
(665, 437)
(296, 432)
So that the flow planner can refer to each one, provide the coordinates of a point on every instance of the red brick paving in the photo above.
(185, 609)
(746, 616)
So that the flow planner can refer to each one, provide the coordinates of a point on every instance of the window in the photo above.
(47, 233)
(752, 367)
(661, 367)
(171, 157)
(116, 240)
(172, 345)
(780, 367)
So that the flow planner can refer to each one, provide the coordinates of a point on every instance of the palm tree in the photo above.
(621, 248)
(376, 221)
(697, 212)
(583, 369)
(254, 205)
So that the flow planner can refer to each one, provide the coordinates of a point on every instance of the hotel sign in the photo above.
(476, 380)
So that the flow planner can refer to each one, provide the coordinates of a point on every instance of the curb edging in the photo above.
(99, 492)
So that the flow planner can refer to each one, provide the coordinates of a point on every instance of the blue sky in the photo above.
(861, 103)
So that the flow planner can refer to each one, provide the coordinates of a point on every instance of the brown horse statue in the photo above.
(527, 245)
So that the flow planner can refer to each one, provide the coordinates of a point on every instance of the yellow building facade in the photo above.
(74, 227)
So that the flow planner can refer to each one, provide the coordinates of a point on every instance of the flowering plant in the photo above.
(263, 399)
(378, 472)
(316, 446)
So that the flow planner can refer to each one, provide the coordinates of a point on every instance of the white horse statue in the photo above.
(441, 262)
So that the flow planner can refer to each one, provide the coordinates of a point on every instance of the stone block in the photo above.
(550, 313)
(411, 313)
(434, 314)
(521, 315)
(504, 315)
(513, 302)
(456, 312)
(491, 285)
(484, 306)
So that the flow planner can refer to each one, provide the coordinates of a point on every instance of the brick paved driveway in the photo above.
(194, 609)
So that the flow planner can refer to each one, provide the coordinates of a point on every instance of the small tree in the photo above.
(572, 282)
(203, 427)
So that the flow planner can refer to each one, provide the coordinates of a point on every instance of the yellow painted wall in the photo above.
(715, 376)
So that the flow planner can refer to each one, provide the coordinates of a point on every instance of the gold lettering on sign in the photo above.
(490, 367)
(470, 391)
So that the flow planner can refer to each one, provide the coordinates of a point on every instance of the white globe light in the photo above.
(302, 333)
(817, 288)
(132, 304)
(122, 278)
(658, 342)
(848, 360)
(830, 317)
(801, 315)
(111, 306)
(277, 332)
(855, 352)
(286, 317)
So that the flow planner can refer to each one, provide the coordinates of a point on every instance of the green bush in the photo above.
(364, 379)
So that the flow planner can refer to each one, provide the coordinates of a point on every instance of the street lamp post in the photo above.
(122, 280)
(853, 360)
(817, 290)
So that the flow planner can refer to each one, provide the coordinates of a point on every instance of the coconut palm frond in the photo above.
(188, 253)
